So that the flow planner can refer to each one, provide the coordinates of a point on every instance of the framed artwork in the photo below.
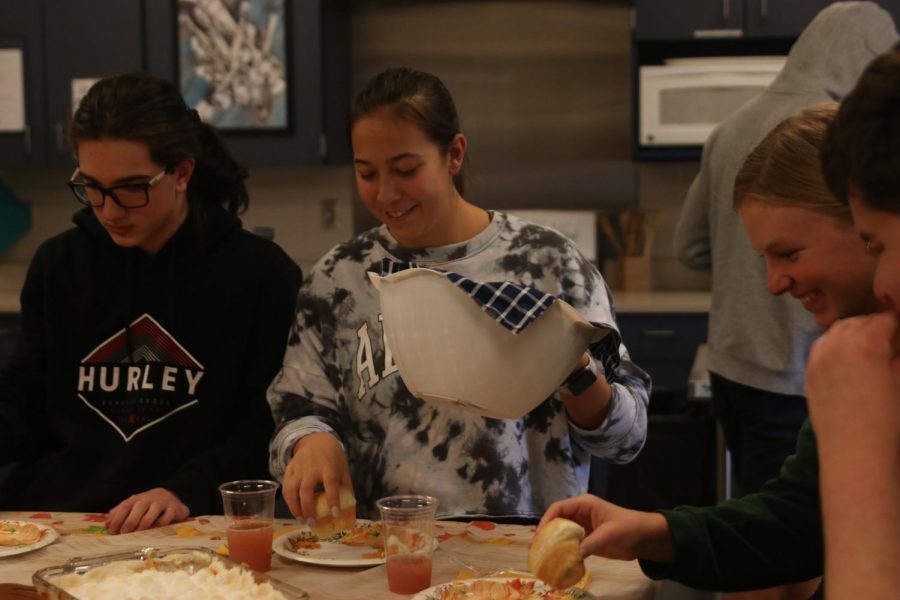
(232, 62)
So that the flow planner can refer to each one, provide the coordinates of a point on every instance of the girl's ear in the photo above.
(183, 173)
(457, 153)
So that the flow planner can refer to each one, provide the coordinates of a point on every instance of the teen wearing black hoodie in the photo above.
(150, 331)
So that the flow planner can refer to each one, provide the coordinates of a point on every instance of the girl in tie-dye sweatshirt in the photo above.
(343, 413)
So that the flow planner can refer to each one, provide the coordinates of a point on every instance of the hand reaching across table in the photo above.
(613, 531)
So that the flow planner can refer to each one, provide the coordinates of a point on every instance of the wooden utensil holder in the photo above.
(635, 273)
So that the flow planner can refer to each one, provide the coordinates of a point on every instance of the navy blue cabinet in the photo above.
(678, 462)
(663, 20)
(67, 40)
(21, 28)
(664, 344)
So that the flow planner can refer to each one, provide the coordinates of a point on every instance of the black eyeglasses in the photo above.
(127, 195)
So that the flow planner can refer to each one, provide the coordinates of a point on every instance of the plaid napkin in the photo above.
(513, 306)
(516, 307)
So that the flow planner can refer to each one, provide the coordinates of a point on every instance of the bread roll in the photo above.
(555, 554)
(326, 524)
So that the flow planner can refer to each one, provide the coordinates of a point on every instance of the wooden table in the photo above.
(482, 544)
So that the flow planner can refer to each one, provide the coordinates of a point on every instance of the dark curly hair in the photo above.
(143, 108)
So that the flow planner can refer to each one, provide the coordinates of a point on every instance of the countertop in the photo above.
(12, 276)
(662, 302)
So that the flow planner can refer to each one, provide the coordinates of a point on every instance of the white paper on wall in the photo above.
(80, 87)
(580, 226)
(12, 91)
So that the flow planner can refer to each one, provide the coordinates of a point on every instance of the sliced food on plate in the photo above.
(500, 589)
(19, 533)
(19, 537)
(359, 546)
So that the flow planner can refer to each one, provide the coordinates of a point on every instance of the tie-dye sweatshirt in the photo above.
(339, 377)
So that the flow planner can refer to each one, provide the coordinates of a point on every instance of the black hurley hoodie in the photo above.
(136, 371)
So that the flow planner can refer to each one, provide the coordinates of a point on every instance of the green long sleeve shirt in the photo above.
(761, 540)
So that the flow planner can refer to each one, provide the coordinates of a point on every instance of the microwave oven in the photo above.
(681, 101)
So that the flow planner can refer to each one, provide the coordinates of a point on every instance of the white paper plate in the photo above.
(332, 554)
(48, 536)
(540, 589)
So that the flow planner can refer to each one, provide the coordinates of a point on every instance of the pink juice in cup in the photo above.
(408, 531)
(408, 573)
(250, 541)
(249, 507)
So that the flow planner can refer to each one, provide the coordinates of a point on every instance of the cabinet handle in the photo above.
(718, 33)
(764, 9)
(726, 10)
(659, 332)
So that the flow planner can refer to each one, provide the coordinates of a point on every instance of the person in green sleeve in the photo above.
(812, 251)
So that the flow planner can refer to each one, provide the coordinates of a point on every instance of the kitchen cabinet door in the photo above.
(664, 344)
(87, 39)
(687, 19)
(779, 19)
(20, 28)
(661, 20)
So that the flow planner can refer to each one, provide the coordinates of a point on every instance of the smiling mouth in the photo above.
(399, 214)
(809, 297)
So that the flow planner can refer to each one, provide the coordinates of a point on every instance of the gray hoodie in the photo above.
(755, 338)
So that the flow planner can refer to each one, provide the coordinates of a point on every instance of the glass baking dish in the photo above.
(188, 559)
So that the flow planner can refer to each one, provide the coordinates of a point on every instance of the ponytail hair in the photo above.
(416, 96)
(142, 108)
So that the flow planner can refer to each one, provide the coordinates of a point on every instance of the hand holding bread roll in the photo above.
(555, 554)
(327, 524)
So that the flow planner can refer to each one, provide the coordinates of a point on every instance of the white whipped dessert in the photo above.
(138, 580)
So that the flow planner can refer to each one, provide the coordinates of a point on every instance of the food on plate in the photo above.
(326, 523)
(366, 535)
(18, 533)
(555, 554)
(494, 589)
(135, 579)
(303, 542)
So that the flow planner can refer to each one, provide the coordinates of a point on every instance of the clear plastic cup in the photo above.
(408, 532)
(249, 506)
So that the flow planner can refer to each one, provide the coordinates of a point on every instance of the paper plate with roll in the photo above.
(496, 349)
